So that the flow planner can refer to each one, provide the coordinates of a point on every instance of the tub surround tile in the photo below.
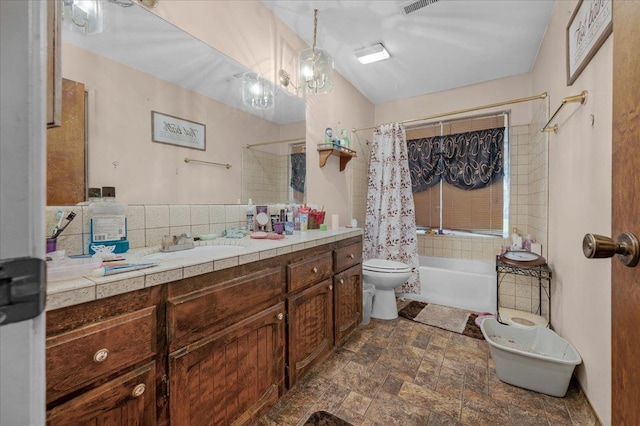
(523, 303)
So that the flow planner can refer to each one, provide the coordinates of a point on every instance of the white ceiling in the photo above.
(447, 44)
(137, 38)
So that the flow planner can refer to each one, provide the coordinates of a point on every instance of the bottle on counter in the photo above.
(108, 222)
(250, 216)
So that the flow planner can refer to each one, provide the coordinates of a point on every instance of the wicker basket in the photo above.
(315, 220)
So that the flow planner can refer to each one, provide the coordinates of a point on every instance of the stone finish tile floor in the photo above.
(400, 372)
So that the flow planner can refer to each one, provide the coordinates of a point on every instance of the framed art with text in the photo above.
(589, 26)
(177, 131)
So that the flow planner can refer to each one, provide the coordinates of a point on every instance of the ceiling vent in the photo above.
(411, 7)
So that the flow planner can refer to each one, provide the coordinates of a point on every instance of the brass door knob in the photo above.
(626, 247)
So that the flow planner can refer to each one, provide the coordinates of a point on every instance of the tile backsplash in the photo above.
(146, 224)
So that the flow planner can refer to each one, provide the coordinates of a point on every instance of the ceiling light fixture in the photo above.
(257, 91)
(83, 16)
(370, 54)
(315, 68)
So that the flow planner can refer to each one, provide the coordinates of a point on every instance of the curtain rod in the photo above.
(278, 141)
(460, 111)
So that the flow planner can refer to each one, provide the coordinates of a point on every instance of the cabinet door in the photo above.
(310, 328)
(125, 401)
(232, 376)
(347, 301)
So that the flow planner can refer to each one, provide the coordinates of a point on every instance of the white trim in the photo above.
(22, 193)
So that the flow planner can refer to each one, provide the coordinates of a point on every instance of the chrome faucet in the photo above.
(176, 243)
(184, 238)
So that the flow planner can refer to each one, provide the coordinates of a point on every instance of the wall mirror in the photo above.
(140, 63)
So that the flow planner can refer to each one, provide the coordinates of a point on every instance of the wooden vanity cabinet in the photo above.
(209, 349)
(226, 345)
(310, 328)
(101, 361)
(310, 312)
(347, 303)
(347, 289)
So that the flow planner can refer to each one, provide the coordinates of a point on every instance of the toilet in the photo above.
(385, 275)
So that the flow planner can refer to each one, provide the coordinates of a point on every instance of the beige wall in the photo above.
(503, 89)
(579, 203)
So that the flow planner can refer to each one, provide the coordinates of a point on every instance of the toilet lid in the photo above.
(382, 265)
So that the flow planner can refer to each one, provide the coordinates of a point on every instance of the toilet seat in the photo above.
(385, 266)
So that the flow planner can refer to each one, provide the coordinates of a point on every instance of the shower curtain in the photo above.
(390, 230)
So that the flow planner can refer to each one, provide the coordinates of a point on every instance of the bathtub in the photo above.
(459, 283)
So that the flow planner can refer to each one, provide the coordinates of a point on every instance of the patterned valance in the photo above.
(470, 160)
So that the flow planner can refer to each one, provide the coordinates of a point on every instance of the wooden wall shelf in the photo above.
(345, 155)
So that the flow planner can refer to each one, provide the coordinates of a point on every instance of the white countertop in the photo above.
(87, 288)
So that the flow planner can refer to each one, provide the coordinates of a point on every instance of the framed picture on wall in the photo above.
(177, 131)
(589, 26)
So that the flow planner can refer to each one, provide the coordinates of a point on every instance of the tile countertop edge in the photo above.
(79, 290)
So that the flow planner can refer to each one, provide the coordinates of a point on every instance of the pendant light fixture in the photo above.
(83, 16)
(257, 91)
(315, 68)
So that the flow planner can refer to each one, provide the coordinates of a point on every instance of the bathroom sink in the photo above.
(201, 251)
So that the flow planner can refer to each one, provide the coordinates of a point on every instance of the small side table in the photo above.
(537, 269)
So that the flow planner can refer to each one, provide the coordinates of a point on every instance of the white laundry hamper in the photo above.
(534, 358)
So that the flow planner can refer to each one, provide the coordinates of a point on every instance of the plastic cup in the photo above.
(51, 244)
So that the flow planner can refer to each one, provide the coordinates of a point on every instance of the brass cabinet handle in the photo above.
(315, 270)
(351, 256)
(341, 281)
(138, 390)
(280, 316)
(101, 355)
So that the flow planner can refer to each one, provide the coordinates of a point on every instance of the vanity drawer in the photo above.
(213, 308)
(79, 356)
(345, 257)
(309, 271)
